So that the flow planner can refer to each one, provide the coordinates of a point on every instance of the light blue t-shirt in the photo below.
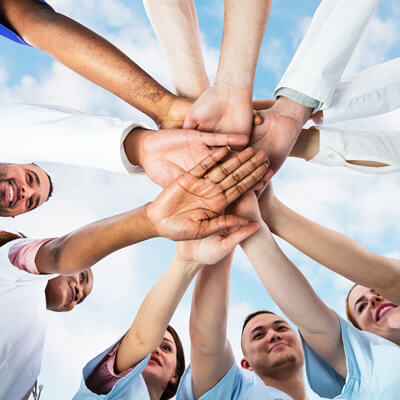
(130, 387)
(372, 368)
(12, 35)
(237, 384)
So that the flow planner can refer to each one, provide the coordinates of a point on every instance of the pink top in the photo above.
(23, 254)
(103, 377)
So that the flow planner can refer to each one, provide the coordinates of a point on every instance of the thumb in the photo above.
(234, 238)
(220, 223)
(190, 122)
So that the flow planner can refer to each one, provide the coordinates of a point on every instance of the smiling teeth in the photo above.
(382, 310)
(11, 194)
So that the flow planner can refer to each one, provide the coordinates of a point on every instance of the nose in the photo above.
(375, 299)
(78, 293)
(273, 336)
(26, 192)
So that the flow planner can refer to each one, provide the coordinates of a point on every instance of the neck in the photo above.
(155, 390)
(290, 382)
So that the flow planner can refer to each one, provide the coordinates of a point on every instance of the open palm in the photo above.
(190, 207)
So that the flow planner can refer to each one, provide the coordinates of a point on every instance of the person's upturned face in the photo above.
(161, 368)
(23, 187)
(270, 346)
(65, 292)
(374, 313)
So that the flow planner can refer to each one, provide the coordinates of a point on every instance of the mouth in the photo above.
(277, 346)
(383, 309)
(155, 360)
(72, 296)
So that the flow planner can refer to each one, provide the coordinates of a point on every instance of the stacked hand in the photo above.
(168, 153)
(190, 207)
(222, 109)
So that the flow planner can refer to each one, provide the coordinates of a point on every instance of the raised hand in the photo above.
(222, 109)
(168, 153)
(189, 208)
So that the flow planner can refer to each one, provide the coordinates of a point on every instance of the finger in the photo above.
(221, 139)
(214, 225)
(257, 119)
(189, 122)
(244, 170)
(233, 163)
(263, 104)
(234, 238)
(244, 185)
(268, 176)
(210, 161)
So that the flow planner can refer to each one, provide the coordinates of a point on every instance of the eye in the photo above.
(29, 203)
(167, 347)
(257, 336)
(29, 179)
(282, 328)
(81, 277)
(361, 308)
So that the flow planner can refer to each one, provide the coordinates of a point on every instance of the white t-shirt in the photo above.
(62, 135)
(23, 325)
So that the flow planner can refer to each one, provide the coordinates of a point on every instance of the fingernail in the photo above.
(228, 147)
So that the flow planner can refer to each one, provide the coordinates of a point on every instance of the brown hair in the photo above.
(6, 237)
(350, 316)
(180, 365)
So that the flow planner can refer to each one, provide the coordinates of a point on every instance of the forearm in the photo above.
(211, 293)
(284, 281)
(84, 247)
(337, 252)
(89, 55)
(211, 353)
(244, 27)
(177, 29)
(155, 313)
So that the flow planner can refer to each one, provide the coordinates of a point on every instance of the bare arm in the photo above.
(211, 353)
(189, 208)
(159, 305)
(217, 109)
(333, 250)
(152, 319)
(177, 28)
(291, 292)
(89, 55)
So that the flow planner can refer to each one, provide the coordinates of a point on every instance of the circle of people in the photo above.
(215, 165)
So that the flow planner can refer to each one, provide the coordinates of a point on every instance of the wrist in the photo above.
(134, 145)
(290, 108)
(149, 227)
(191, 267)
(307, 144)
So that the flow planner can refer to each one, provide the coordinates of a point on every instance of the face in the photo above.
(374, 313)
(23, 187)
(65, 292)
(161, 369)
(270, 346)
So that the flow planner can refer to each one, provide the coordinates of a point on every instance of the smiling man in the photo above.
(23, 187)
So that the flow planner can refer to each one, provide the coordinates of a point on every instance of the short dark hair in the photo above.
(51, 186)
(6, 237)
(253, 315)
(50, 181)
(171, 389)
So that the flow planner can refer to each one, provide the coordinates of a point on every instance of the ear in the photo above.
(245, 364)
(174, 379)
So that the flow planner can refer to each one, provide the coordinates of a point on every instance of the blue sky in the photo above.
(364, 207)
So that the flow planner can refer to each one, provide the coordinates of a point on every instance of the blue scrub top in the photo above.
(372, 368)
(130, 387)
(10, 34)
(237, 384)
